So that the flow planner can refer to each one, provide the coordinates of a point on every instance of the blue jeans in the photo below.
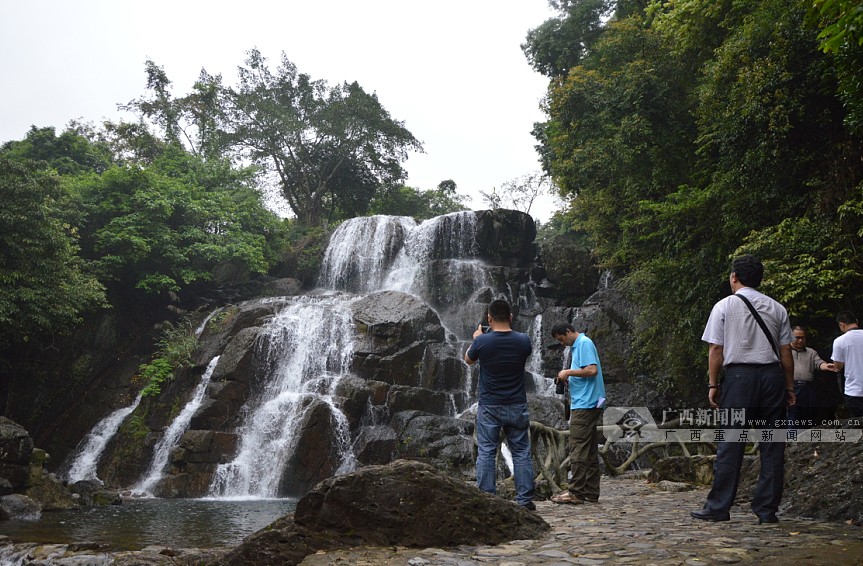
(514, 420)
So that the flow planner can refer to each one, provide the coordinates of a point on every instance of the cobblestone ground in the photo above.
(636, 523)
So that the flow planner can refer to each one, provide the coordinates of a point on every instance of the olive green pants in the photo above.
(584, 454)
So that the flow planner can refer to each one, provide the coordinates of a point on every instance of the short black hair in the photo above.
(499, 310)
(561, 329)
(749, 270)
(846, 317)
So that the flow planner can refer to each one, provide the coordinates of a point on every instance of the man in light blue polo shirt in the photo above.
(587, 395)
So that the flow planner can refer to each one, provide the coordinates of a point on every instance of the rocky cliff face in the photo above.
(367, 369)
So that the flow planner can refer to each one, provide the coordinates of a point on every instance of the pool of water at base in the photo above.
(137, 523)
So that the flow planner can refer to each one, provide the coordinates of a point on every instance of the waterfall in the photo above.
(542, 385)
(606, 279)
(308, 348)
(172, 435)
(377, 253)
(449, 236)
(86, 457)
(203, 325)
(361, 251)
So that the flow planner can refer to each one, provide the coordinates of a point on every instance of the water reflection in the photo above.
(176, 523)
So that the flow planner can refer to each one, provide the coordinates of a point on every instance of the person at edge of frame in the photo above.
(848, 357)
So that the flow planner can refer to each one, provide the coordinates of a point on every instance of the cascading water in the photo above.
(361, 252)
(542, 385)
(309, 348)
(85, 459)
(172, 435)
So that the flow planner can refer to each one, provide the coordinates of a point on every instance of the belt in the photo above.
(801, 381)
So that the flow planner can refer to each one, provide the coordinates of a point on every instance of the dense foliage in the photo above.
(45, 286)
(683, 133)
(81, 218)
(421, 205)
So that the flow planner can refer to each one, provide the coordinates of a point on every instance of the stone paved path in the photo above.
(636, 523)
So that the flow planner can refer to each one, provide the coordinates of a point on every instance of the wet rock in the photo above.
(695, 470)
(20, 507)
(16, 447)
(505, 237)
(284, 287)
(315, 455)
(91, 493)
(404, 503)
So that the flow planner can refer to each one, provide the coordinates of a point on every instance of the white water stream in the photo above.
(172, 435)
(309, 348)
(85, 459)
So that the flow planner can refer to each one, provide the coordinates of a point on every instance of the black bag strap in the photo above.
(761, 324)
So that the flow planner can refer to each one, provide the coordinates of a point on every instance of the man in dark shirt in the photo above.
(502, 405)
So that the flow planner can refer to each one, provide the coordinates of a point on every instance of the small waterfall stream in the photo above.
(309, 348)
(172, 435)
(85, 459)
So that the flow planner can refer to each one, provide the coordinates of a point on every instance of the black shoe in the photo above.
(530, 506)
(769, 519)
(707, 515)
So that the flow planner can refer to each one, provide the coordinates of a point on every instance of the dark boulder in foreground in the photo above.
(405, 503)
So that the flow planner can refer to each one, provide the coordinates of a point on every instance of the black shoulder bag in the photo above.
(763, 326)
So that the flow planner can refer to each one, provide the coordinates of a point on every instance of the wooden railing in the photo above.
(550, 451)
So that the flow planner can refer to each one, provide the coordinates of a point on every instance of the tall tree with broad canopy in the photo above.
(309, 135)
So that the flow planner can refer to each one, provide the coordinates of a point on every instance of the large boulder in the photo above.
(444, 442)
(193, 462)
(404, 503)
(394, 332)
(316, 454)
(505, 237)
(606, 317)
(570, 269)
(16, 448)
(20, 507)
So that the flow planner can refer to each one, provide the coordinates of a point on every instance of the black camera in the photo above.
(559, 387)
(485, 329)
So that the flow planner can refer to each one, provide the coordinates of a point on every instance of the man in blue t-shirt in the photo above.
(587, 395)
(502, 405)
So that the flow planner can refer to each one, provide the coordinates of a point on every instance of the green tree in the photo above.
(166, 226)
(44, 286)
(73, 151)
(421, 205)
(841, 25)
(693, 130)
(308, 135)
(192, 121)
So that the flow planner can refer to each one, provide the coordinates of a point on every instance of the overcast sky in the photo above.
(451, 70)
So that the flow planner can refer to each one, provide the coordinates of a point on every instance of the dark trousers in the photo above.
(854, 406)
(584, 454)
(760, 391)
(806, 407)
